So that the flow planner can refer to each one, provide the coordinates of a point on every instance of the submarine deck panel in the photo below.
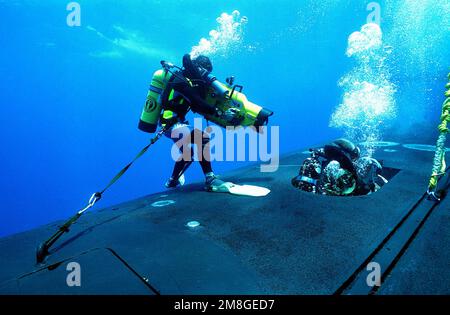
(424, 268)
(289, 242)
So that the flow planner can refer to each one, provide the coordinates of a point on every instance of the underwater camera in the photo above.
(226, 97)
(229, 96)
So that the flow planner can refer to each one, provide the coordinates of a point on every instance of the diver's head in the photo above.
(349, 147)
(197, 68)
(203, 62)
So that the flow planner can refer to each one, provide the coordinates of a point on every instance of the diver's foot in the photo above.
(173, 183)
(214, 184)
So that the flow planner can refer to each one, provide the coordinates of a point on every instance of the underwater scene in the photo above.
(299, 145)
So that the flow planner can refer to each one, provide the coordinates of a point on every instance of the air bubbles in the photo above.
(368, 102)
(226, 38)
(388, 49)
(362, 43)
(235, 13)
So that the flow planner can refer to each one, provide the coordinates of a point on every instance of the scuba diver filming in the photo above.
(174, 91)
(338, 169)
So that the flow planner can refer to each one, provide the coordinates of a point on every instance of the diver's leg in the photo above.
(202, 141)
(182, 139)
(179, 169)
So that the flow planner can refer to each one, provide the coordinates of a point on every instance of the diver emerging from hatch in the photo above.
(338, 169)
(174, 91)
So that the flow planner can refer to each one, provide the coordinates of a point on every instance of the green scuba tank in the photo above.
(248, 113)
(153, 107)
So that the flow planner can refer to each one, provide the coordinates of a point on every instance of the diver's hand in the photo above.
(230, 114)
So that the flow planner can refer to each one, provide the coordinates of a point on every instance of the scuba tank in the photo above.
(337, 181)
(153, 105)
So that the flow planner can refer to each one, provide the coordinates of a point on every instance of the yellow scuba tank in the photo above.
(248, 113)
(153, 107)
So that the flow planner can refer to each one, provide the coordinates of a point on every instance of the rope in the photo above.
(43, 249)
(439, 165)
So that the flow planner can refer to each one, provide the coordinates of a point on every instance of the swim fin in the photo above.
(240, 190)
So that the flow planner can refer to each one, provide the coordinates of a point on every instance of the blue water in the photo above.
(71, 96)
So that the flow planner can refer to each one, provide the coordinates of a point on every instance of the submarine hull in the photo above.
(288, 242)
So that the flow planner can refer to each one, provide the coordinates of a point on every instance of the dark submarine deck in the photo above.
(288, 242)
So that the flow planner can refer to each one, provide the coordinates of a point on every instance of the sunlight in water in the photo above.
(368, 100)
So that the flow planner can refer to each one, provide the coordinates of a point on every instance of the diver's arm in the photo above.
(198, 104)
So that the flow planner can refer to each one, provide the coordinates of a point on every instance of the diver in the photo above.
(338, 169)
(180, 91)
(329, 170)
